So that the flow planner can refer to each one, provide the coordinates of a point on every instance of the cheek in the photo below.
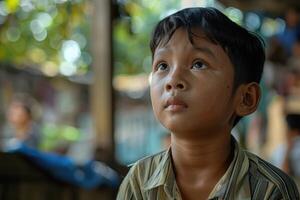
(225, 85)
(155, 96)
(214, 98)
(224, 102)
(156, 92)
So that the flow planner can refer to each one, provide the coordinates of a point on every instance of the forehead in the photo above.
(196, 40)
(191, 35)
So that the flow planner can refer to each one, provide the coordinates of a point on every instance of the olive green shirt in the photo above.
(248, 177)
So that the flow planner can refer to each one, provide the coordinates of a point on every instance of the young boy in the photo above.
(205, 75)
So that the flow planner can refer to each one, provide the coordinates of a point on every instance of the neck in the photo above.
(207, 156)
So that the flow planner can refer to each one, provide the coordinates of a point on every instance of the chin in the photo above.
(176, 127)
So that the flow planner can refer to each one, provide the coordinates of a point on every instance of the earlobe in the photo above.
(248, 100)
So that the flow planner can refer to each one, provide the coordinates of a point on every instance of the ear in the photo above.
(248, 96)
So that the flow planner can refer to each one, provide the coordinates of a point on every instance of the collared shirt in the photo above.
(248, 177)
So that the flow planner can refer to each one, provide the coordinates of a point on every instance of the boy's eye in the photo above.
(162, 66)
(198, 65)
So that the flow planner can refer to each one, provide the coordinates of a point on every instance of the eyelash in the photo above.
(165, 65)
(157, 67)
(203, 65)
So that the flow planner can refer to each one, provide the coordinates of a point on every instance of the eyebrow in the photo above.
(205, 50)
(162, 51)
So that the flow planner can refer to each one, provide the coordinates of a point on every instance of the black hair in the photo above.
(245, 49)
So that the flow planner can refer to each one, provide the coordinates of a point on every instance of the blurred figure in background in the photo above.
(288, 37)
(282, 70)
(21, 127)
(287, 155)
(291, 161)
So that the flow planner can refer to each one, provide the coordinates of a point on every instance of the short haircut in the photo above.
(244, 49)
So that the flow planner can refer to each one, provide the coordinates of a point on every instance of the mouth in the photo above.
(175, 105)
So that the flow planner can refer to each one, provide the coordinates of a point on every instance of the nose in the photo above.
(178, 86)
(176, 82)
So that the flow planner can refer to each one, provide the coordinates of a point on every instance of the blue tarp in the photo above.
(91, 175)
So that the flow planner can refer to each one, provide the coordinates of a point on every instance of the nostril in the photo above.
(169, 87)
(180, 86)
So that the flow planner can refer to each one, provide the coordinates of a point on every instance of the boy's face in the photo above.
(191, 86)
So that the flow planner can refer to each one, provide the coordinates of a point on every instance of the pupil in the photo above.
(198, 64)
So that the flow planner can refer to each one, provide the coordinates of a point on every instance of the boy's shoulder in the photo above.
(263, 173)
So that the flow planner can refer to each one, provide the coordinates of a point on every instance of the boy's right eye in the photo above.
(162, 66)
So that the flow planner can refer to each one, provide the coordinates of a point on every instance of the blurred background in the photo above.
(74, 79)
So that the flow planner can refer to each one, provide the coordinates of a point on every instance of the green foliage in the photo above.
(55, 136)
(32, 33)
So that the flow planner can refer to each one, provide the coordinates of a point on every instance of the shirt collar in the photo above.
(163, 175)
(229, 183)
(224, 189)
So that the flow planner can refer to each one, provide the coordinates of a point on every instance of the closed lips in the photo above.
(175, 102)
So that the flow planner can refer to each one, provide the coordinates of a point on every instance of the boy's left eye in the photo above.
(198, 65)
